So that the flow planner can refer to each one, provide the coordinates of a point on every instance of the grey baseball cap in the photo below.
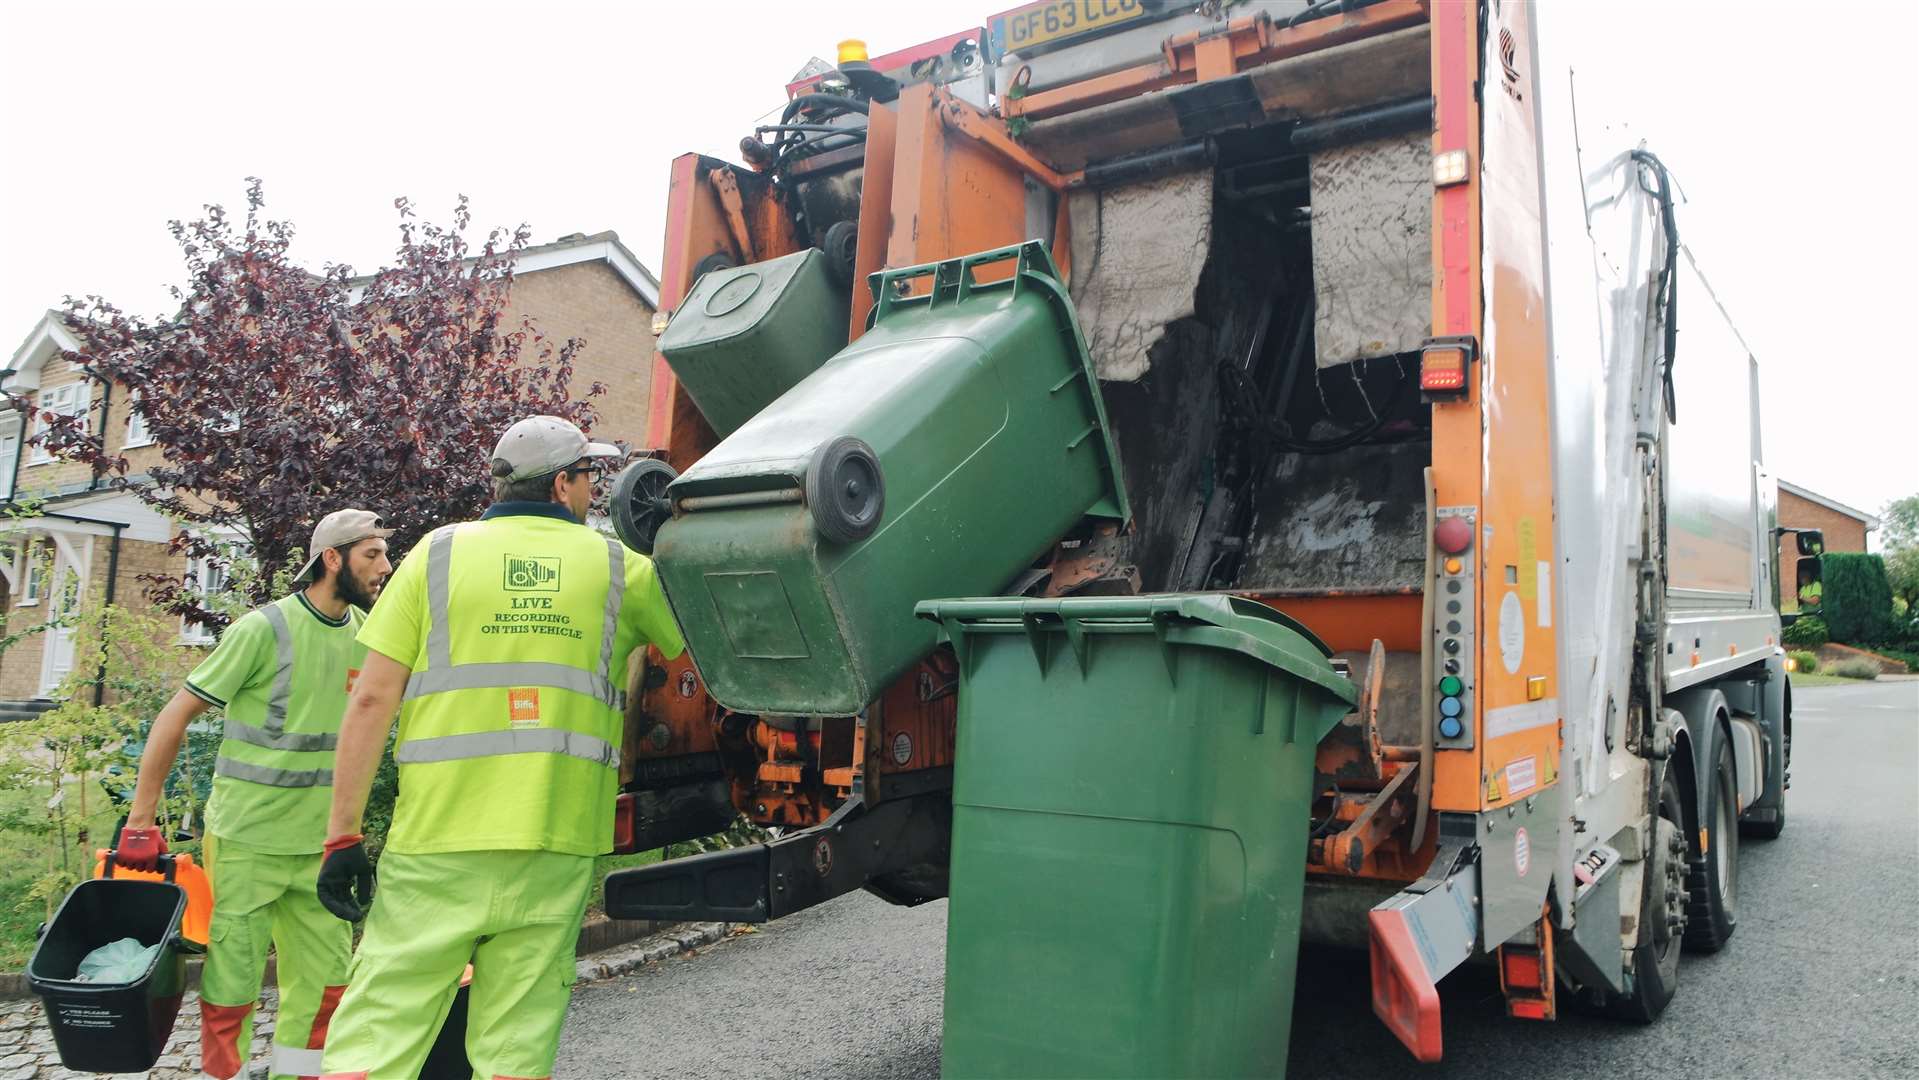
(539, 445)
(337, 529)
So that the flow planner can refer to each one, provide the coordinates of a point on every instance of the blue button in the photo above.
(1449, 706)
(1449, 728)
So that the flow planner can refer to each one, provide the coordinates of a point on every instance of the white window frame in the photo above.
(204, 577)
(68, 399)
(138, 434)
(34, 574)
(9, 459)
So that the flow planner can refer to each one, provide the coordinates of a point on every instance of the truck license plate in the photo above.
(1053, 20)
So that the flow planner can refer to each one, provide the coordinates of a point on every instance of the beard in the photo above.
(353, 590)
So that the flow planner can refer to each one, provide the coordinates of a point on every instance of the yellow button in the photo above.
(1453, 566)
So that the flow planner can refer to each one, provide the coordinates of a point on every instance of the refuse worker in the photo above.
(503, 643)
(282, 672)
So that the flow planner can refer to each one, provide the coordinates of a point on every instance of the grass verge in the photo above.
(606, 864)
(1799, 680)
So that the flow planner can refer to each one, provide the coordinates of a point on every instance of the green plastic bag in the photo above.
(123, 961)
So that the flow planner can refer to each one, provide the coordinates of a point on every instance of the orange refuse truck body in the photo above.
(1389, 339)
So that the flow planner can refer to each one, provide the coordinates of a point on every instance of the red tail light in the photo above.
(1443, 365)
(625, 810)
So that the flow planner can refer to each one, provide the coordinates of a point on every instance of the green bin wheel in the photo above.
(719, 260)
(638, 504)
(841, 245)
(845, 490)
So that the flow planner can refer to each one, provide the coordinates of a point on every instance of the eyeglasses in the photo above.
(583, 470)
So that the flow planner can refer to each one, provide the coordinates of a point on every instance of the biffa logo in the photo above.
(523, 706)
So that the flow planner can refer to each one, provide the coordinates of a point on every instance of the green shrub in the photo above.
(1804, 661)
(1906, 657)
(1806, 632)
(378, 819)
(1855, 668)
(1857, 600)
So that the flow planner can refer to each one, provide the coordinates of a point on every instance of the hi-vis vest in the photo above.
(283, 673)
(257, 747)
(510, 730)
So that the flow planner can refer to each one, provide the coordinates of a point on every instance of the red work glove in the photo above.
(140, 849)
(346, 878)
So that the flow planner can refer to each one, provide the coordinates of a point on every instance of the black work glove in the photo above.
(346, 878)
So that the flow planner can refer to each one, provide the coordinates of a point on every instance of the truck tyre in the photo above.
(1662, 914)
(1713, 878)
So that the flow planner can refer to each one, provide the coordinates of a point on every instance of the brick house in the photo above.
(1845, 529)
(87, 541)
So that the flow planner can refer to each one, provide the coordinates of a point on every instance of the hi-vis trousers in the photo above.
(261, 899)
(514, 915)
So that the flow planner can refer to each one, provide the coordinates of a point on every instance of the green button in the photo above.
(1450, 685)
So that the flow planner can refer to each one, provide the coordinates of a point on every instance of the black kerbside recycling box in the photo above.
(120, 1026)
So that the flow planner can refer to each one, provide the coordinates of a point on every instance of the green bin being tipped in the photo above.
(939, 455)
(1131, 808)
(747, 334)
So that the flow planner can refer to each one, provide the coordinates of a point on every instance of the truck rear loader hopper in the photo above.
(1309, 259)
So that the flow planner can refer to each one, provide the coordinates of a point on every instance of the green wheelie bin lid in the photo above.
(1131, 809)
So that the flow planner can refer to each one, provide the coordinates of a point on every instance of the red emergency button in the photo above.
(1453, 535)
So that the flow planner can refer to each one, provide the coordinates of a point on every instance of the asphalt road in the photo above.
(1820, 980)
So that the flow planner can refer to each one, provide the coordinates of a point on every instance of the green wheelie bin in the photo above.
(938, 455)
(1131, 803)
(747, 334)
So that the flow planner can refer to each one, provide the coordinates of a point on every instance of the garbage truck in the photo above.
(1339, 314)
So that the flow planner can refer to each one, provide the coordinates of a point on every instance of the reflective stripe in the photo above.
(439, 574)
(280, 740)
(441, 674)
(292, 1061)
(512, 675)
(283, 668)
(615, 596)
(496, 743)
(261, 774)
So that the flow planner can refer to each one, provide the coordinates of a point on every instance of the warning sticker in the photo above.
(1522, 776)
(1512, 633)
(1522, 852)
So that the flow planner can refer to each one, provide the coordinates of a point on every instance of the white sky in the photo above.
(1793, 129)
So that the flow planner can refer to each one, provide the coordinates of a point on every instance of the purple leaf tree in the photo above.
(279, 395)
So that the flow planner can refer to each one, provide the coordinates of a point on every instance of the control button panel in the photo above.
(1452, 630)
